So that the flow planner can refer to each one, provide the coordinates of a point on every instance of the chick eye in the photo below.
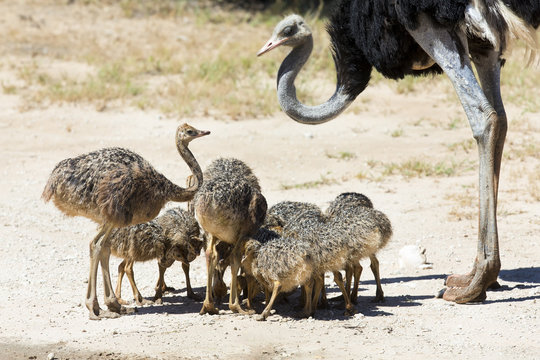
(190, 132)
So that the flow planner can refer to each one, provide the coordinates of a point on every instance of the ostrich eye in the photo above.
(190, 132)
(289, 30)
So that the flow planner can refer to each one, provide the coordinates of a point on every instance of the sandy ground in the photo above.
(44, 255)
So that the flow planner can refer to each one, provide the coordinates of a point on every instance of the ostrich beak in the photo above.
(271, 44)
(202, 133)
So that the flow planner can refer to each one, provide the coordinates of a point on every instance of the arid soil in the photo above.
(44, 254)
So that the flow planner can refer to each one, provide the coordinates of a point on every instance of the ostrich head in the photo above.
(185, 133)
(290, 31)
(251, 247)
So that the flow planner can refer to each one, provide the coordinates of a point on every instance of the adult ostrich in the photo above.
(416, 37)
(116, 187)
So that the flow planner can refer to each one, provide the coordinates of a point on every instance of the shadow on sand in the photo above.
(174, 303)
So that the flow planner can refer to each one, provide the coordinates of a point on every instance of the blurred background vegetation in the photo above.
(187, 58)
(174, 7)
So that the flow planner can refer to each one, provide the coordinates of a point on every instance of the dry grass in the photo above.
(397, 133)
(466, 146)
(184, 58)
(324, 180)
(422, 168)
(342, 155)
(465, 203)
(378, 171)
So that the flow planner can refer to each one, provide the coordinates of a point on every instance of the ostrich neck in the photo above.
(180, 194)
(286, 90)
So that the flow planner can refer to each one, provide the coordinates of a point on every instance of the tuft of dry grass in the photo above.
(9, 89)
(397, 133)
(324, 180)
(465, 204)
(466, 146)
(342, 155)
(422, 168)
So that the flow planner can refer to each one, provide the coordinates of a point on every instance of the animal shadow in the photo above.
(174, 303)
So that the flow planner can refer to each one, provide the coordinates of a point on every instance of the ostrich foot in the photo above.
(108, 314)
(122, 301)
(113, 305)
(462, 295)
(350, 311)
(236, 308)
(262, 316)
(379, 298)
(459, 280)
(142, 302)
(464, 280)
(158, 298)
(168, 289)
(208, 308)
(104, 314)
(94, 308)
(485, 275)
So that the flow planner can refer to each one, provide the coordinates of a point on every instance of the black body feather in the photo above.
(528, 10)
(372, 33)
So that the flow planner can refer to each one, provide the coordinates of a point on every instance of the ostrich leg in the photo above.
(211, 262)
(190, 293)
(160, 285)
(234, 299)
(99, 253)
(349, 272)
(270, 303)
(488, 67)
(349, 307)
(110, 299)
(91, 298)
(379, 294)
(118, 291)
(357, 272)
(136, 293)
(448, 47)
(308, 305)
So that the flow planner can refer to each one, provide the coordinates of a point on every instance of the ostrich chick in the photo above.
(116, 187)
(338, 207)
(296, 219)
(280, 265)
(184, 233)
(230, 208)
(362, 231)
(173, 236)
